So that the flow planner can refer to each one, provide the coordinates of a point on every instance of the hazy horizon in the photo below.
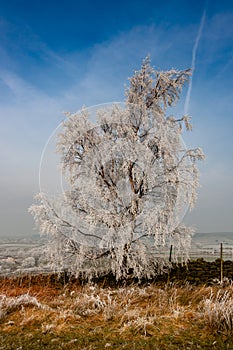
(37, 234)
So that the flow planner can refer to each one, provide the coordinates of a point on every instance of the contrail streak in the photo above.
(194, 52)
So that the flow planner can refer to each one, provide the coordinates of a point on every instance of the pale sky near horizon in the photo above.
(59, 56)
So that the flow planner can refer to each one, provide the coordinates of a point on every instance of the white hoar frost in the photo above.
(130, 179)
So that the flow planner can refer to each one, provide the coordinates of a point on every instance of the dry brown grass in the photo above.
(165, 316)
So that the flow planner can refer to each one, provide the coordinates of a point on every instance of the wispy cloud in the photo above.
(193, 63)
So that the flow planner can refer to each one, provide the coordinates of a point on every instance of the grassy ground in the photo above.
(43, 315)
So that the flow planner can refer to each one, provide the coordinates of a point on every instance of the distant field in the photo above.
(212, 239)
(27, 254)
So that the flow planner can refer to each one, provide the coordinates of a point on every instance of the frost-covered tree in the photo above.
(129, 180)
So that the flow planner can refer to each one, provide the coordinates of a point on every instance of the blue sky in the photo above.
(60, 55)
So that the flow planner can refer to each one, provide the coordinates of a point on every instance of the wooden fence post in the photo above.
(221, 263)
(170, 255)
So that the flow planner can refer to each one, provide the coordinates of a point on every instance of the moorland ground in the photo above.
(45, 313)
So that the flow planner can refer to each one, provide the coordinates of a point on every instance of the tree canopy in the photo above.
(130, 179)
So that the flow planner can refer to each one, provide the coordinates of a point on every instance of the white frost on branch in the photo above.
(130, 180)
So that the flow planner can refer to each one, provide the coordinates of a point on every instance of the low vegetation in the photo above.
(46, 313)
